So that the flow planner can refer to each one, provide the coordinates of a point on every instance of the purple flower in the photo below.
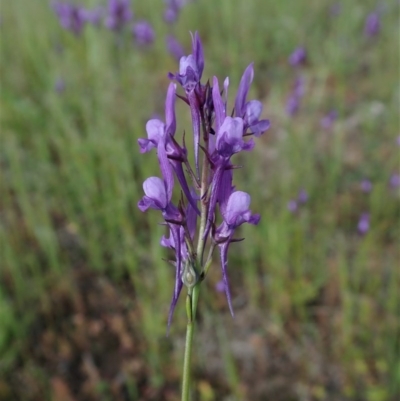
(174, 47)
(398, 141)
(363, 224)
(372, 25)
(143, 32)
(302, 196)
(71, 16)
(119, 13)
(234, 214)
(170, 153)
(229, 141)
(158, 196)
(394, 181)
(172, 11)
(366, 185)
(191, 67)
(249, 111)
(298, 57)
(328, 120)
(189, 76)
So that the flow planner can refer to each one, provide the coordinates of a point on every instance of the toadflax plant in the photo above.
(209, 209)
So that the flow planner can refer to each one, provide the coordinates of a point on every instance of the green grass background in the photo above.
(71, 176)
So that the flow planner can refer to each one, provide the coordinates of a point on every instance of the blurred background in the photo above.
(84, 289)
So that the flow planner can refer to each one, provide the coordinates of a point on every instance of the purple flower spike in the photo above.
(298, 57)
(71, 16)
(250, 111)
(223, 135)
(363, 224)
(119, 13)
(236, 213)
(372, 25)
(143, 32)
(174, 47)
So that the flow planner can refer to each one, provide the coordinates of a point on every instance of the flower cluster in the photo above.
(208, 196)
(116, 16)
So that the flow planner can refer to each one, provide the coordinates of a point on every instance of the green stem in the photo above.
(193, 292)
(191, 306)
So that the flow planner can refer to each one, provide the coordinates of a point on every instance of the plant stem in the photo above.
(193, 293)
(191, 306)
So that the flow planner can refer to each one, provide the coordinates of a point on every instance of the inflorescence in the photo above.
(207, 192)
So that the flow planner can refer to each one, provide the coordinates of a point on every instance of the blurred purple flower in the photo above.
(394, 181)
(171, 11)
(119, 13)
(174, 47)
(363, 224)
(298, 57)
(143, 32)
(366, 185)
(398, 141)
(292, 205)
(372, 25)
(302, 196)
(71, 16)
(328, 120)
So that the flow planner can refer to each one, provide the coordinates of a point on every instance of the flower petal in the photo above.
(154, 188)
(243, 90)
